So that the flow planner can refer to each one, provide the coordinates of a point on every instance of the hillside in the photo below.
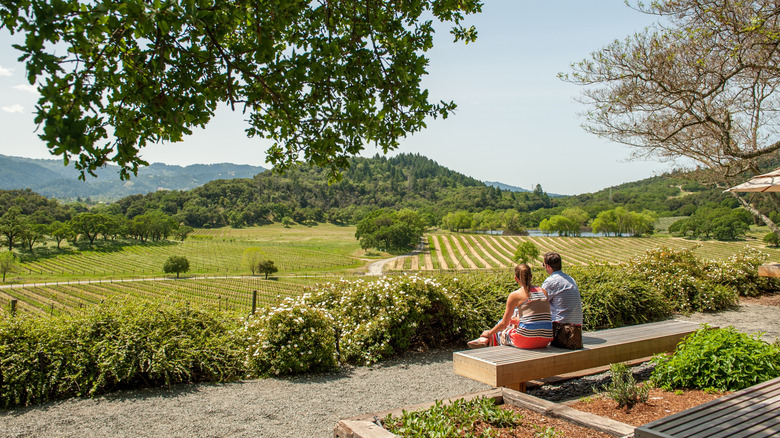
(52, 179)
(304, 194)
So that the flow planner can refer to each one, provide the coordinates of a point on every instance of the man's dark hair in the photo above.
(553, 260)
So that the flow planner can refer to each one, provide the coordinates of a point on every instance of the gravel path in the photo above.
(306, 406)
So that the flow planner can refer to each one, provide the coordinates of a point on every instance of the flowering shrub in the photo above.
(292, 338)
(691, 284)
(740, 272)
(375, 319)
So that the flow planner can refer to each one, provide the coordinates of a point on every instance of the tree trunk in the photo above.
(757, 214)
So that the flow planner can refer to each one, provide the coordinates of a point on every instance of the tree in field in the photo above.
(252, 257)
(176, 264)
(267, 267)
(560, 224)
(526, 252)
(390, 231)
(12, 225)
(702, 87)
(88, 225)
(320, 79)
(33, 234)
(287, 222)
(772, 239)
(576, 214)
(457, 221)
(7, 263)
(183, 231)
(60, 231)
(605, 222)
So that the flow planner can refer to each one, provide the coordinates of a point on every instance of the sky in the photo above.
(516, 122)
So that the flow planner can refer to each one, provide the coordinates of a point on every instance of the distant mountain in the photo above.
(52, 179)
(503, 186)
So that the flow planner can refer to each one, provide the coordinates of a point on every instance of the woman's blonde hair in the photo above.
(523, 275)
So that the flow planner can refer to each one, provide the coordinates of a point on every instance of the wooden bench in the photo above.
(751, 412)
(512, 367)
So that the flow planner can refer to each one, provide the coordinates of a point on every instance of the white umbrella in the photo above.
(768, 182)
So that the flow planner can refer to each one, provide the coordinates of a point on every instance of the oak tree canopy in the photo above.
(320, 78)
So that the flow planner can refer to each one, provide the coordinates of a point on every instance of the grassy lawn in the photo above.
(324, 248)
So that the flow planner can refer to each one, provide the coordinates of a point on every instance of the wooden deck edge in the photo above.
(360, 429)
(363, 426)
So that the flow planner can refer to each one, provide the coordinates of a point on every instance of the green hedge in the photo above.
(115, 345)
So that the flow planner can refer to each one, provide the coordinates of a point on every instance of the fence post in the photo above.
(13, 307)
(254, 301)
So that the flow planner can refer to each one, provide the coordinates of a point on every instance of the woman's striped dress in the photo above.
(531, 325)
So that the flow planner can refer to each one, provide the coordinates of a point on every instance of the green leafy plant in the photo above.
(623, 388)
(292, 338)
(722, 359)
(455, 419)
(546, 432)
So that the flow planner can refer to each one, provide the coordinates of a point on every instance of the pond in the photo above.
(538, 233)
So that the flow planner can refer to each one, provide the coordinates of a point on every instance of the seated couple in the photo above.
(538, 316)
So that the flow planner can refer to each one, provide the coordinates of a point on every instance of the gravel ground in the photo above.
(308, 406)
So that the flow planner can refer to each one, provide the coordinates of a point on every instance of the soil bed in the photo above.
(660, 404)
(534, 425)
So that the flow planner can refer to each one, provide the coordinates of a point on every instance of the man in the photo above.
(565, 304)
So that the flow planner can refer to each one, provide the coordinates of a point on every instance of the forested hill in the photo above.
(52, 179)
(405, 181)
(303, 193)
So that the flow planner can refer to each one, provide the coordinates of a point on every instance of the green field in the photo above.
(60, 281)
(324, 248)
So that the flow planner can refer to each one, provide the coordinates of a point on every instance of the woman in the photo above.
(526, 322)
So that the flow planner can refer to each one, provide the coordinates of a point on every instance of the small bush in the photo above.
(623, 389)
(721, 359)
(291, 339)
